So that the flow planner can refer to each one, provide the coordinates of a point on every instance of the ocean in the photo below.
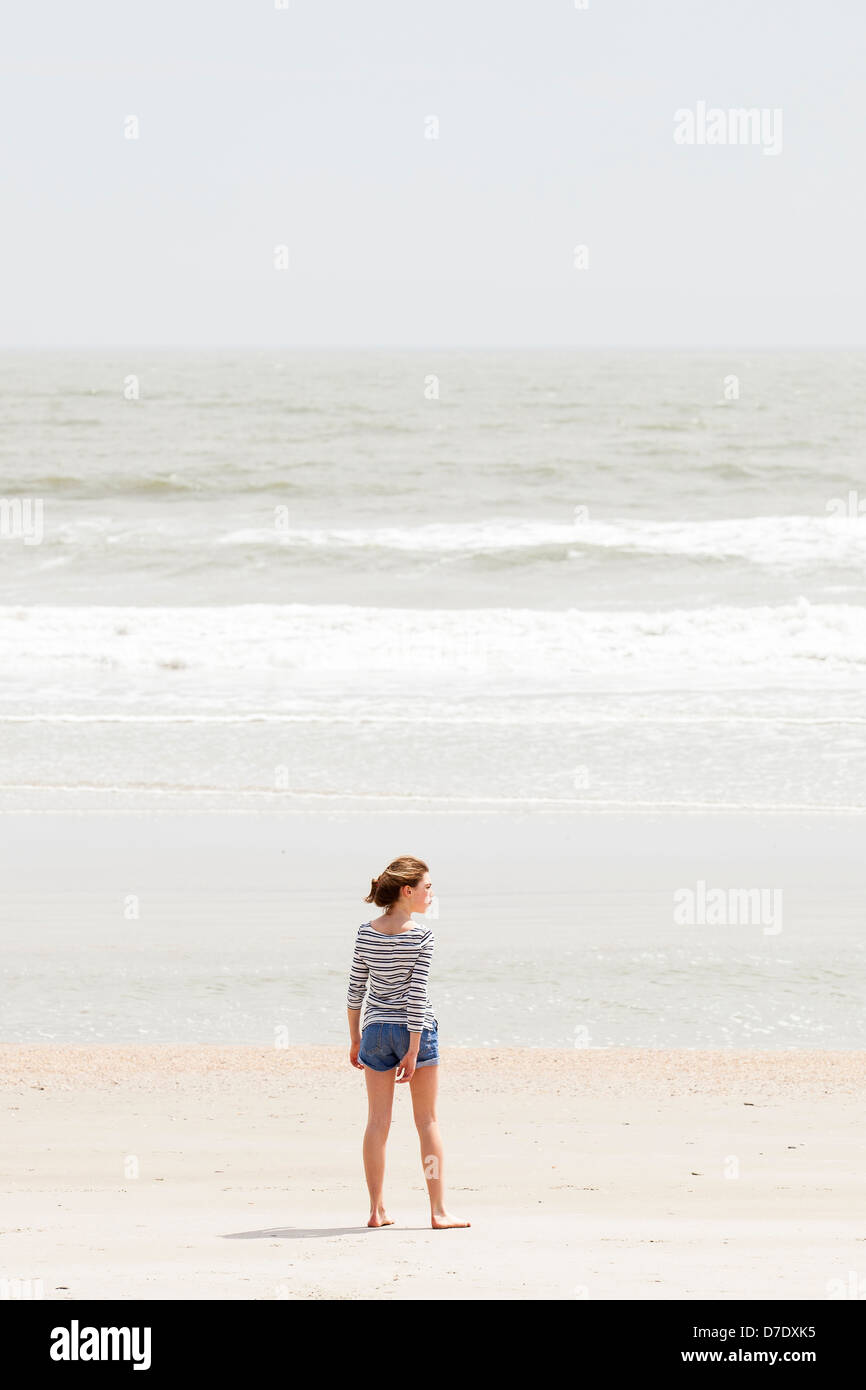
(567, 579)
(406, 583)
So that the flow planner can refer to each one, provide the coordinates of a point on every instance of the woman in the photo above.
(400, 1039)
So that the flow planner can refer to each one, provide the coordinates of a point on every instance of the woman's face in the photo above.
(419, 898)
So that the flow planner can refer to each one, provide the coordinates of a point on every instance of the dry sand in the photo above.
(235, 1173)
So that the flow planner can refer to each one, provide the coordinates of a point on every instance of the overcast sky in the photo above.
(305, 127)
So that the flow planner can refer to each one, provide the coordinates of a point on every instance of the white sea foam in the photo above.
(243, 646)
(761, 540)
(572, 558)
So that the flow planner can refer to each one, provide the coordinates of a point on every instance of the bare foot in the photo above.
(380, 1217)
(443, 1222)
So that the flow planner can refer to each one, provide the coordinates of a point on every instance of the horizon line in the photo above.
(429, 347)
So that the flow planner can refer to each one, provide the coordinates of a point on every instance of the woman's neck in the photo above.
(399, 917)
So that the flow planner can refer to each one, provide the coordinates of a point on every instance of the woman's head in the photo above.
(406, 882)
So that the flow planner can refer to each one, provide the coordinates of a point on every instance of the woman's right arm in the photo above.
(416, 1005)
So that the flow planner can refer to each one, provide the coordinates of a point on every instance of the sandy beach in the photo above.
(212, 1172)
(522, 532)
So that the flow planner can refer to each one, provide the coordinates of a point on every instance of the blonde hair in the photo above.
(405, 872)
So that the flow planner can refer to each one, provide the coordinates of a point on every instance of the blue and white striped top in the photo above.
(393, 968)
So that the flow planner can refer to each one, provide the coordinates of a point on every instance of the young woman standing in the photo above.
(399, 1041)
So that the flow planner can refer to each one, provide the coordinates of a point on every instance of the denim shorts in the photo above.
(384, 1045)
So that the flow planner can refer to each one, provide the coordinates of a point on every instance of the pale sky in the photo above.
(305, 127)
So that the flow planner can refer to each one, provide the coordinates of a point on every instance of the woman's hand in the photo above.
(407, 1066)
(354, 1049)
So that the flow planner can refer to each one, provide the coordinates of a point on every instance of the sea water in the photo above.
(496, 583)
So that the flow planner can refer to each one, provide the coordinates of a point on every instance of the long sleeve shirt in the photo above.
(393, 969)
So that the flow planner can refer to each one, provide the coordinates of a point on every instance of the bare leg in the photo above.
(425, 1088)
(380, 1101)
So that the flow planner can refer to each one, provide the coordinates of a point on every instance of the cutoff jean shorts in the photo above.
(384, 1045)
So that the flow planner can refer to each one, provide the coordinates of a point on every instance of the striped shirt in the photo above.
(393, 968)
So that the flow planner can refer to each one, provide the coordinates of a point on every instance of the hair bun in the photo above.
(403, 872)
